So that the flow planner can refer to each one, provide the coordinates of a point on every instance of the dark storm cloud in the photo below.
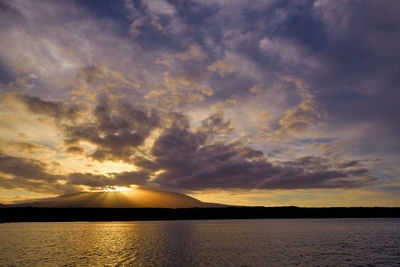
(88, 179)
(188, 159)
(191, 164)
(28, 174)
(20, 183)
(129, 178)
(117, 130)
(191, 160)
(312, 163)
(145, 164)
(25, 168)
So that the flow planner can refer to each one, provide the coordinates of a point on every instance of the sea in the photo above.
(269, 242)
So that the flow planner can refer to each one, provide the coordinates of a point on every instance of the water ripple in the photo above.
(299, 242)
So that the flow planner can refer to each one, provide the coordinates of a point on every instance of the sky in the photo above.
(270, 102)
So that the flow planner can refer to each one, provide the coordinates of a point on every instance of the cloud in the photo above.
(189, 159)
(194, 52)
(75, 150)
(132, 177)
(115, 127)
(116, 130)
(222, 67)
(290, 54)
(179, 90)
(189, 163)
(349, 163)
(25, 168)
(286, 51)
(151, 20)
(215, 124)
(160, 7)
(274, 115)
(232, 101)
(55, 109)
(93, 74)
(299, 118)
(123, 92)
(180, 158)
(28, 174)
(33, 175)
(101, 181)
(24, 147)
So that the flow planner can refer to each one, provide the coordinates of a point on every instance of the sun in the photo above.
(118, 189)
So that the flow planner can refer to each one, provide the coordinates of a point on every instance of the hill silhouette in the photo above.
(135, 198)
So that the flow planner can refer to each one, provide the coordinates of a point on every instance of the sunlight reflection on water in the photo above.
(307, 242)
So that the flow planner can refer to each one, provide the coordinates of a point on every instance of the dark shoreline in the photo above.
(28, 214)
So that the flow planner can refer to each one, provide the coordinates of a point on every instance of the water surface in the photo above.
(271, 242)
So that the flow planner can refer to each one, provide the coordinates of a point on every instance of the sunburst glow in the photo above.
(118, 189)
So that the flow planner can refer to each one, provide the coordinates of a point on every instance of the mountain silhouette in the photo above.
(135, 198)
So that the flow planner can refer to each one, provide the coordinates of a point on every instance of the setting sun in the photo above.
(119, 189)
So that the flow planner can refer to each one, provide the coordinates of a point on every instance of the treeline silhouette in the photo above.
(29, 214)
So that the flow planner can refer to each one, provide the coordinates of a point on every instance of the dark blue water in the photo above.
(278, 242)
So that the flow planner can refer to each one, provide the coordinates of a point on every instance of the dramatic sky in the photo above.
(270, 102)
